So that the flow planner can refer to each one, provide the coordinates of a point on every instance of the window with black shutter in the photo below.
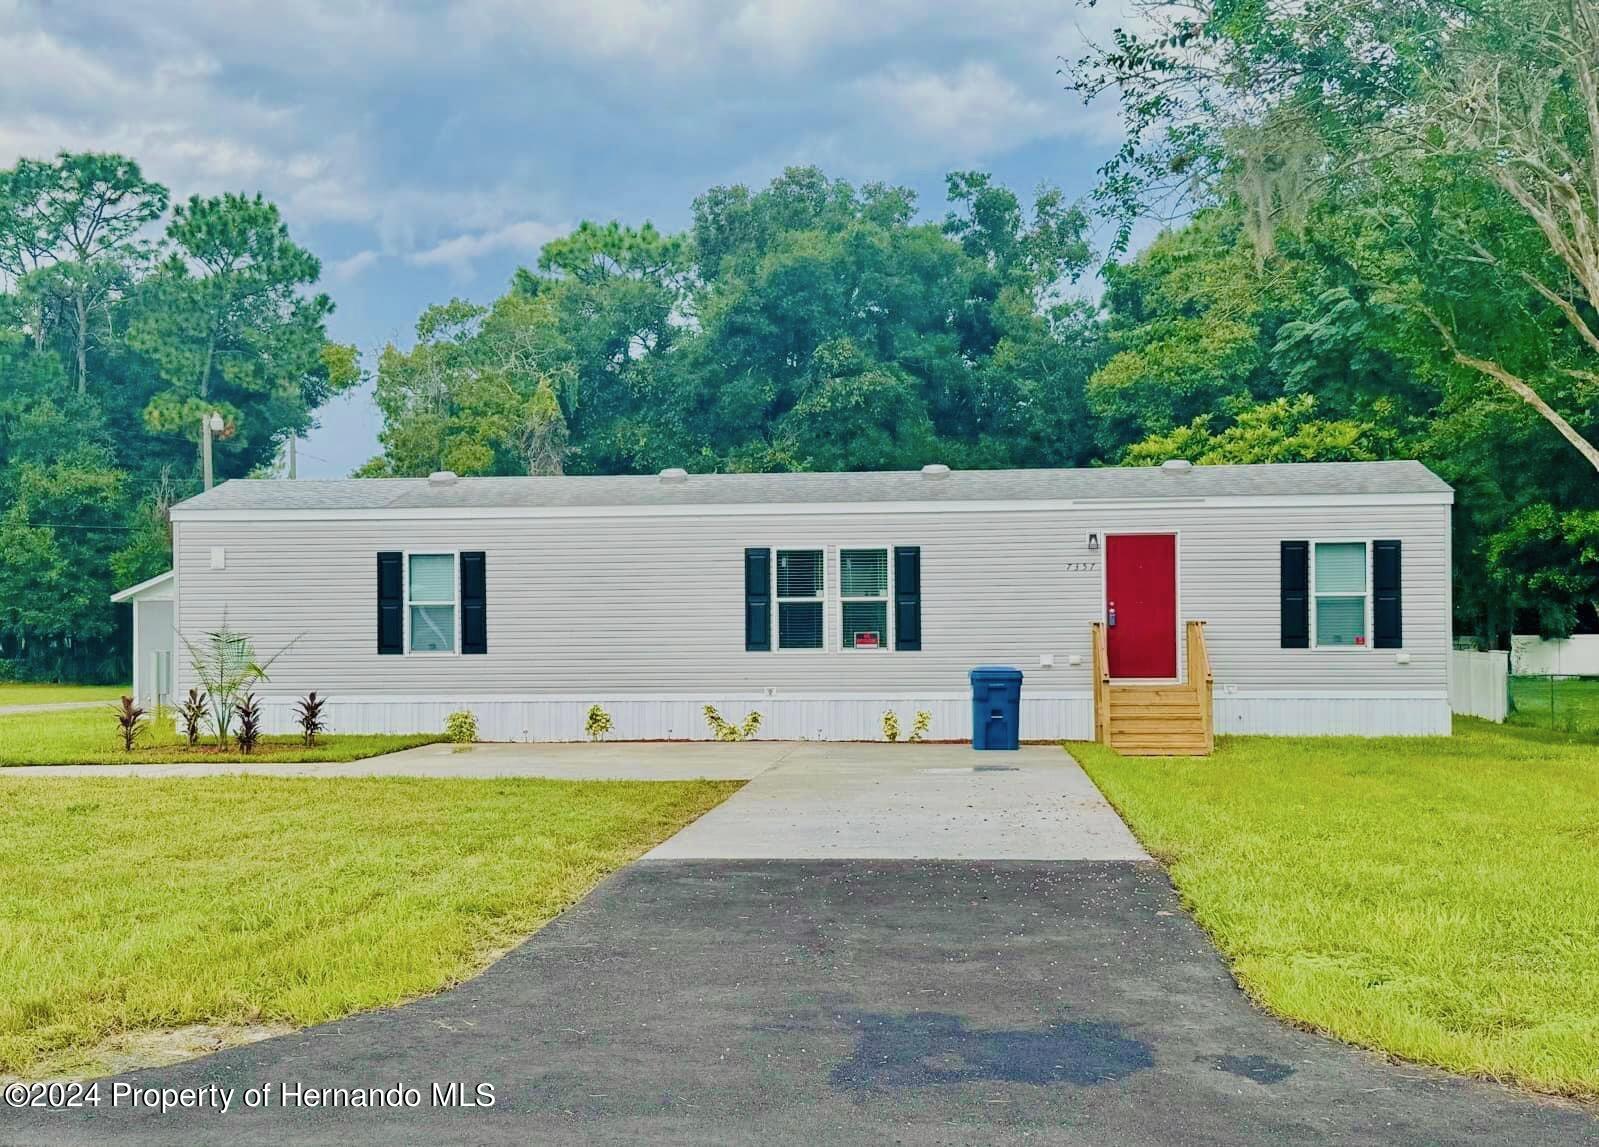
(1387, 611)
(391, 602)
(908, 597)
(474, 602)
(758, 599)
(1295, 586)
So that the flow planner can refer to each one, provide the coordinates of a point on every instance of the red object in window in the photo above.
(866, 641)
(1360, 640)
(1141, 604)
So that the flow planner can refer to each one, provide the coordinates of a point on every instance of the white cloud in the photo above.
(971, 110)
(354, 267)
(440, 136)
(460, 252)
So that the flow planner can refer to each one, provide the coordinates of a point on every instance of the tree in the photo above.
(71, 221)
(1514, 100)
(1547, 562)
(1277, 105)
(230, 327)
(477, 394)
(808, 324)
(1283, 430)
(87, 472)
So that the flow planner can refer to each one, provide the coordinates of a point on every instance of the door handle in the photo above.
(1110, 618)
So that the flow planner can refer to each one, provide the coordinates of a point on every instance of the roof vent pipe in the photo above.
(442, 478)
(674, 474)
(1177, 465)
(935, 470)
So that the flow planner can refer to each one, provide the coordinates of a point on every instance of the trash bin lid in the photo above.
(995, 673)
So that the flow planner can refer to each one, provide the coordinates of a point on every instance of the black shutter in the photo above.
(391, 602)
(758, 599)
(1387, 625)
(1296, 595)
(474, 603)
(908, 597)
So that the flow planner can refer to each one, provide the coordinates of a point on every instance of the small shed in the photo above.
(154, 637)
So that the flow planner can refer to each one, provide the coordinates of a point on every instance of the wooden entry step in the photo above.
(1162, 720)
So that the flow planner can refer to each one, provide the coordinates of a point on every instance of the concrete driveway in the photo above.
(911, 802)
(843, 995)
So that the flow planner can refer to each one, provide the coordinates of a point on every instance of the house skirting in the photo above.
(1066, 715)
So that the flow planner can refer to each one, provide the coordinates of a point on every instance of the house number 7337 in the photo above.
(1081, 567)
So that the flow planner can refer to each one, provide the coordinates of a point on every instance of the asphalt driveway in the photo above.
(843, 1002)
(708, 996)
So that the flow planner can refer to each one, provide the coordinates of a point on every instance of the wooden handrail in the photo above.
(1101, 684)
(1200, 679)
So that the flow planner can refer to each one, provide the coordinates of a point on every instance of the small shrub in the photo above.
(248, 734)
(726, 732)
(309, 713)
(921, 726)
(598, 723)
(461, 727)
(131, 724)
(891, 726)
(191, 715)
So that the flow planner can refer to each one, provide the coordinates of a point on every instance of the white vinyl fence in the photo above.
(1479, 684)
(1537, 656)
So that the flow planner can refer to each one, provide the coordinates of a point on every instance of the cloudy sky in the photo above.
(425, 149)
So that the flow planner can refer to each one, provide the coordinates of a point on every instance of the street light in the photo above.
(209, 424)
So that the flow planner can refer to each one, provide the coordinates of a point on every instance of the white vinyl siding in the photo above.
(603, 607)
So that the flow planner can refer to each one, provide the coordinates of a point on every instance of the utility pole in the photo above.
(208, 423)
(292, 441)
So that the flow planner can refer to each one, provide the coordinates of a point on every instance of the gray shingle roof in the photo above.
(876, 486)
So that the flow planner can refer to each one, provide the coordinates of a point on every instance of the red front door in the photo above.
(1141, 604)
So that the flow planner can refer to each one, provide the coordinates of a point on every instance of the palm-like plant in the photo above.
(225, 664)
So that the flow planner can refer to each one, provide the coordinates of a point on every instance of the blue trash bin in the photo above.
(996, 707)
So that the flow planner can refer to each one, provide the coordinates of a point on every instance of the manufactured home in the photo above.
(1177, 600)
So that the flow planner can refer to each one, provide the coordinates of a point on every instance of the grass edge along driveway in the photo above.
(132, 905)
(1435, 899)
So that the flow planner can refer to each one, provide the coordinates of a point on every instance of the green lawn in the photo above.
(89, 737)
(128, 905)
(1435, 898)
(1571, 706)
(25, 693)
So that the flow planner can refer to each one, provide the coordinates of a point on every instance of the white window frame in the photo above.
(887, 598)
(455, 582)
(1365, 595)
(821, 599)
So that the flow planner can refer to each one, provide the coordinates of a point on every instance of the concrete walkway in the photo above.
(52, 707)
(805, 800)
(656, 761)
(911, 802)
